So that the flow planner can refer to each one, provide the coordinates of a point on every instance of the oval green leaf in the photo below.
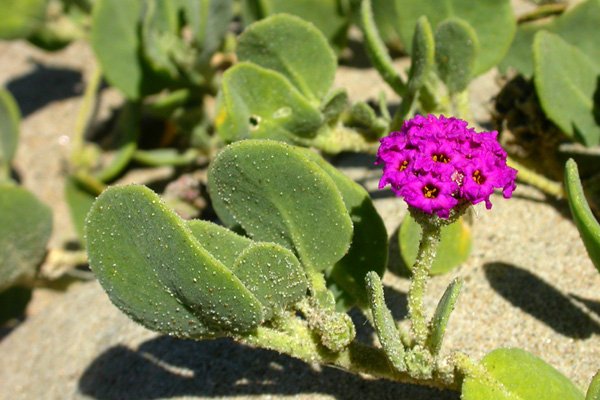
(222, 243)
(115, 40)
(154, 269)
(586, 222)
(456, 49)
(19, 18)
(279, 196)
(255, 102)
(25, 228)
(294, 48)
(273, 274)
(593, 392)
(565, 82)
(455, 245)
(510, 374)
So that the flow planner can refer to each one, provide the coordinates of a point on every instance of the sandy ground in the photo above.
(528, 282)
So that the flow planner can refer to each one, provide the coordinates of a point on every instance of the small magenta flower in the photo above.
(435, 164)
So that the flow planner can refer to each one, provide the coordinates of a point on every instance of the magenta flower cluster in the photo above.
(436, 163)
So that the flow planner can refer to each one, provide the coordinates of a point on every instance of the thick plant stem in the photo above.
(294, 338)
(546, 185)
(420, 275)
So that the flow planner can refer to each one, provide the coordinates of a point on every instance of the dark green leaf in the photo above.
(279, 196)
(222, 243)
(79, 201)
(295, 49)
(154, 269)
(10, 118)
(256, 102)
(586, 223)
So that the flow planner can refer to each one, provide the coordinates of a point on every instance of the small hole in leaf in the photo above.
(254, 121)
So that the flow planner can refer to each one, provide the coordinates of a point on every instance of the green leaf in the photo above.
(593, 392)
(331, 17)
(586, 223)
(422, 56)
(455, 244)
(294, 48)
(578, 27)
(222, 243)
(511, 374)
(10, 119)
(334, 104)
(362, 117)
(273, 274)
(212, 26)
(19, 18)
(492, 20)
(154, 269)
(369, 248)
(456, 49)
(384, 323)
(79, 201)
(442, 315)
(259, 103)
(162, 157)
(565, 82)
(115, 40)
(25, 228)
(279, 196)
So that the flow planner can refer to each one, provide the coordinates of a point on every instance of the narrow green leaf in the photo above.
(511, 374)
(119, 59)
(10, 119)
(273, 274)
(385, 326)
(456, 49)
(442, 315)
(334, 104)
(279, 196)
(454, 249)
(586, 222)
(593, 392)
(213, 26)
(369, 248)
(565, 82)
(259, 103)
(295, 49)
(162, 157)
(79, 201)
(126, 136)
(19, 18)
(25, 228)
(492, 20)
(222, 243)
(422, 56)
(154, 269)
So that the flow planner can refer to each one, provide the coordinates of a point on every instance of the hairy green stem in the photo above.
(420, 275)
(377, 51)
(297, 340)
(532, 178)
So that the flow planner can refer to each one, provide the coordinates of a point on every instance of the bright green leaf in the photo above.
(294, 48)
(165, 156)
(565, 82)
(154, 269)
(279, 196)
(442, 315)
(79, 201)
(593, 392)
(25, 227)
(422, 57)
(455, 244)
(586, 223)
(19, 18)
(257, 103)
(511, 374)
